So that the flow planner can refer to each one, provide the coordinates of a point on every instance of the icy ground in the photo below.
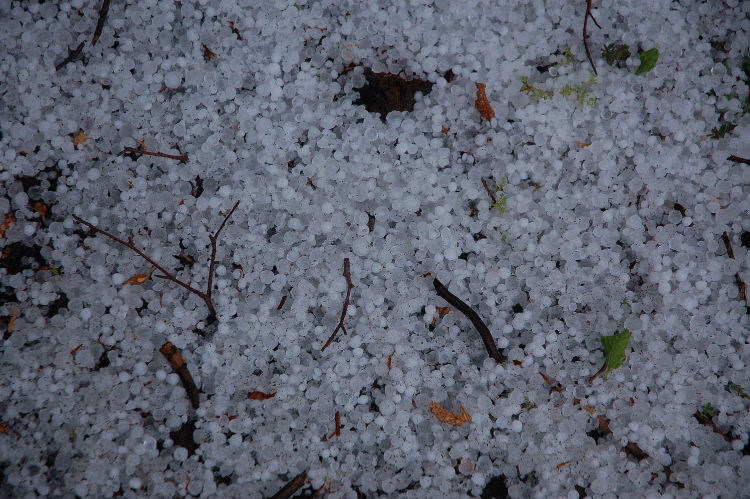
(617, 195)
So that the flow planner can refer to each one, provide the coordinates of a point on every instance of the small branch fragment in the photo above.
(281, 303)
(337, 431)
(737, 277)
(484, 332)
(737, 159)
(133, 150)
(489, 191)
(205, 296)
(173, 356)
(702, 419)
(100, 23)
(349, 286)
(72, 56)
(585, 33)
(292, 487)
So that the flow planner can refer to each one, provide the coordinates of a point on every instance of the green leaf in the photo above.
(648, 60)
(707, 410)
(614, 350)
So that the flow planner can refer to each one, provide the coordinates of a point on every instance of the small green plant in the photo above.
(707, 410)
(614, 350)
(738, 390)
(719, 133)
(615, 53)
(504, 240)
(579, 94)
(527, 403)
(535, 94)
(626, 302)
(501, 202)
(566, 58)
(648, 61)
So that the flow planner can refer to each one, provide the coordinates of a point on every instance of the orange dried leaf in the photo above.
(446, 416)
(140, 278)
(589, 409)
(445, 130)
(12, 320)
(582, 144)
(41, 208)
(563, 464)
(142, 144)
(389, 362)
(207, 54)
(256, 395)
(10, 219)
(443, 310)
(72, 352)
(80, 139)
(483, 104)
(3, 427)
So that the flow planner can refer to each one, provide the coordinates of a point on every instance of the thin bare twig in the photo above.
(72, 56)
(181, 159)
(737, 277)
(702, 419)
(585, 33)
(484, 331)
(174, 357)
(205, 296)
(737, 159)
(292, 487)
(489, 191)
(349, 287)
(100, 23)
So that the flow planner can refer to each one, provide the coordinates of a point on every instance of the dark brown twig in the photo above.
(489, 191)
(100, 23)
(737, 159)
(702, 419)
(484, 331)
(349, 287)
(737, 277)
(174, 357)
(292, 487)
(72, 56)
(205, 296)
(281, 303)
(181, 159)
(585, 33)
(592, 378)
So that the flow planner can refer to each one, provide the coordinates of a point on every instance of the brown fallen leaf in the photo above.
(41, 208)
(483, 104)
(256, 395)
(140, 278)
(446, 416)
(582, 144)
(207, 53)
(12, 320)
(443, 310)
(80, 139)
(10, 219)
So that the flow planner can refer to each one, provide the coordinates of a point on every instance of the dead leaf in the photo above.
(483, 104)
(140, 278)
(389, 362)
(3, 427)
(582, 144)
(563, 464)
(41, 208)
(445, 130)
(10, 219)
(443, 310)
(12, 320)
(446, 416)
(80, 139)
(207, 54)
(256, 395)
(589, 409)
(142, 144)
